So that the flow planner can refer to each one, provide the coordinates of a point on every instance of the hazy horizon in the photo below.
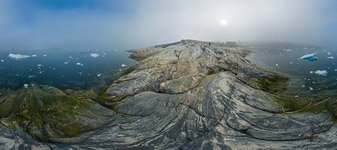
(105, 24)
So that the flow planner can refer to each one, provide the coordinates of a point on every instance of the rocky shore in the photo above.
(184, 95)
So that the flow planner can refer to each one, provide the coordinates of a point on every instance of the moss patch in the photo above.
(47, 113)
(270, 83)
(127, 71)
(110, 102)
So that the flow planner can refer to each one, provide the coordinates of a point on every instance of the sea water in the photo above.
(64, 69)
(317, 74)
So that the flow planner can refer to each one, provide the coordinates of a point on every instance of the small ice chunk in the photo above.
(276, 65)
(66, 63)
(329, 53)
(31, 76)
(94, 55)
(79, 64)
(289, 50)
(291, 62)
(321, 72)
(34, 55)
(2, 60)
(44, 55)
(39, 65)
(311, 72)
(310, 57)
(336, 70)
(98, 75)
(330, 57)
(18, 56)
(311, 89)
(25, 86)
(123, 65)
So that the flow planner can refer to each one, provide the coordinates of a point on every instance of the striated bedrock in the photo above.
(50, 115)
(195, 95)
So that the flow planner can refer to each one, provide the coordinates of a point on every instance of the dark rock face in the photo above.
(199, 95)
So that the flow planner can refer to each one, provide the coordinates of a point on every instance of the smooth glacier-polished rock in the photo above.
(199, 95)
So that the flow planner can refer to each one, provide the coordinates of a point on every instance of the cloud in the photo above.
(134, 24)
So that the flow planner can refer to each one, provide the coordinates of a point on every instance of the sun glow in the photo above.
(224, 22)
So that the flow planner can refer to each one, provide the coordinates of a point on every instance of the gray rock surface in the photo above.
(198, 95)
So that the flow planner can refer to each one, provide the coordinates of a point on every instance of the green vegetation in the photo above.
(127, 71)
(270, 83)
(305, 104)
(47, 113)
(138, 57)
(110, 102)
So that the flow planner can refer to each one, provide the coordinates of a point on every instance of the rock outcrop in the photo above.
(198, 95)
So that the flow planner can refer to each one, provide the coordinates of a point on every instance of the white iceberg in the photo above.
(34, 55)
(330, 57)
(123, 65)
(98, 75)
(321, 72)
(25, 86)
(79, 64)
(17, 56)
(2, 60)
(94, 55)
(44, 55)
(309, 57)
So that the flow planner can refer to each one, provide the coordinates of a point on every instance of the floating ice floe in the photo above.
(67, 62)
(321, 72)
(18, 56)
(311, 89)
(31, 76)
(94, 55)
(98, 75)
(123, 65)
(289, 50)
(79, 64)
(310, 57)
(330, 57)
(2, 60)
(39, 65)
(44, 55)
(34, 55)
(25, 86)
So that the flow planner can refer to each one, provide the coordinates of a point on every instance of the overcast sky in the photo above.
(125, 24)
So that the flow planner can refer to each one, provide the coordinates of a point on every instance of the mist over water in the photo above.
(104, 24)
(53, 27)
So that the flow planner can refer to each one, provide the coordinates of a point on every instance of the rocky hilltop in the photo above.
(184, 95)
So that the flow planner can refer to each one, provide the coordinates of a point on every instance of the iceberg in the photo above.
(79, 64)
(309, 57)
(34, 55)
(2, 60)
(94, 55)
(98, 75)
(17, 56)
(330, 57)
(321, 72)
(123, 65)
